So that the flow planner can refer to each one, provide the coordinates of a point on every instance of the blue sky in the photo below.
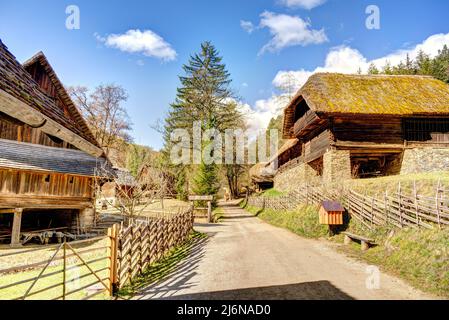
(299, 38)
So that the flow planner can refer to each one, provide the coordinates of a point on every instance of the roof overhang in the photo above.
(23, 112)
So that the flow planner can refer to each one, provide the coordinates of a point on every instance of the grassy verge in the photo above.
(303, 221)
(272, 193)
(420, 257)
(161, 269)
(217, 214)
(426, 183)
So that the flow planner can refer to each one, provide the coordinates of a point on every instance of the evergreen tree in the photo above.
(204, 96)
(372, 69)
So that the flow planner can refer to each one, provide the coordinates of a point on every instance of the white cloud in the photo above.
(135, 41)
(247, 26)
(305, 4)
(259, 115)
(345, 59)
(289, 31)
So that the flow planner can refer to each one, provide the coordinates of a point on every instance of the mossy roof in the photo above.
(374, 94)
(389, 95)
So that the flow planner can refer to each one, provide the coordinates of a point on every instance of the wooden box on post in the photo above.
(331, 213)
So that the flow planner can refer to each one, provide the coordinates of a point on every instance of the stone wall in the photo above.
(86, 218)
(336, 166)
(294, 177)
(425, 160)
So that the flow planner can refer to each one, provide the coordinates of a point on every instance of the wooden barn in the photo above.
(357, 126)
(48, 156)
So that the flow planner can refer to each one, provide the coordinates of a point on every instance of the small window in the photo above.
(71, 180)
(47, 178)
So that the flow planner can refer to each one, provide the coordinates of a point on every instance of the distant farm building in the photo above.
(121, 186)
(48, 156)
(358, 126)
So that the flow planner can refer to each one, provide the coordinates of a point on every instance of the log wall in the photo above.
(36, 189)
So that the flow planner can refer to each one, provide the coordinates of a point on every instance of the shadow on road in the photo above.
(318, 290)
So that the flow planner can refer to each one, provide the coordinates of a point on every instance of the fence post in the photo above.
(113, 256)
(437, 203)
(64, 267)
(415, 194)
(400, 203)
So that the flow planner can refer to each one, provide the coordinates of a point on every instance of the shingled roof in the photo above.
(27, 156)
(17, 82)
(41, 60)
(371, 94)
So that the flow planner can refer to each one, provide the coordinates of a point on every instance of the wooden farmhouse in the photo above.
(121, 187)
(48, 156)
(358, 126)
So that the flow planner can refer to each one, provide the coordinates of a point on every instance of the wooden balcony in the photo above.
(305, 122)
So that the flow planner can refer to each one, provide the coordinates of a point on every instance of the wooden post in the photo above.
(64, 268)
(437, 203)
(386, 207)
(113, 256)
(400, 203)
(209, 211)
(415, 194)
(17, 222)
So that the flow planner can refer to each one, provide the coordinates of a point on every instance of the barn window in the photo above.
(426, 129)
(47, 178)
(71, 180)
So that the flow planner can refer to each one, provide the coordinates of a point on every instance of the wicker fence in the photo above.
(400, 209)
(144, 241)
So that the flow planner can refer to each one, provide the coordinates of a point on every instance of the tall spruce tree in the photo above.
(204, 96)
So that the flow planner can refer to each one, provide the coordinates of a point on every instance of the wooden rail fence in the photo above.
(87, 268)
(400, 209)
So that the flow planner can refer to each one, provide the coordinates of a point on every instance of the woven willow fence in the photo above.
(400, 209)
(145, 241)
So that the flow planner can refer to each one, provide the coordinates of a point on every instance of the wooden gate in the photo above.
(70, 270)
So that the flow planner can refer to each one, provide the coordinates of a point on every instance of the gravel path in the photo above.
(246, 258)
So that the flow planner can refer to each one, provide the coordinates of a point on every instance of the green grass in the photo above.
(421, 257)
(302, 221)
(426, 183)
(161, 269)
(273, 193)
(217, 214)
(75, 278)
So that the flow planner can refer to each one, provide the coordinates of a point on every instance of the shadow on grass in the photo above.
(177, 263)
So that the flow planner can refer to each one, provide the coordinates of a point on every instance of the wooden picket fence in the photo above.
(399, 209)
(145, 241)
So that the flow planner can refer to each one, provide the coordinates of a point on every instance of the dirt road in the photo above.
(246, 258)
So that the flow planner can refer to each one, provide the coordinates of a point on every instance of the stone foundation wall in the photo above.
(336, 166)
(425, 160)
(86, 218)
(294, 177)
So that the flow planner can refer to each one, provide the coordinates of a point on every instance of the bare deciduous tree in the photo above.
(133, 195)
(104, 112)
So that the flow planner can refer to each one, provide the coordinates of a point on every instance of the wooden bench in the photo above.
(365, 242)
